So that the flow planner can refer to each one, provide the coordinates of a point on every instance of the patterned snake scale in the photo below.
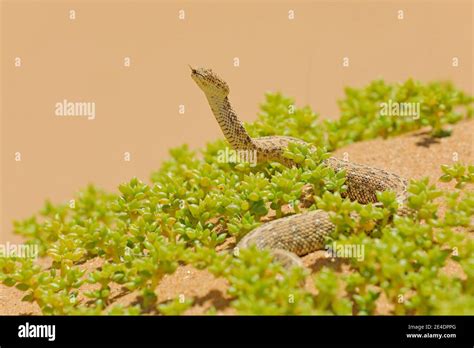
(299, 234)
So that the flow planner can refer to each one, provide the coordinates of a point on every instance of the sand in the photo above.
(413, 155)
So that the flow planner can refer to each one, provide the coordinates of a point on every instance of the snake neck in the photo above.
(230, 124)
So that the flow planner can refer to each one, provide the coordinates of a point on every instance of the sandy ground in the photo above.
(413, 155)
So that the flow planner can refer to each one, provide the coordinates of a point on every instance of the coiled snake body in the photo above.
(299, 234)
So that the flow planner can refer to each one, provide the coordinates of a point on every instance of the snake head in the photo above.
(209, 82)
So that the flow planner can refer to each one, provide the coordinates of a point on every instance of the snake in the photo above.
(288, 238)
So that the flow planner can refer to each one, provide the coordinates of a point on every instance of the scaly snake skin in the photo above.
(299, 234)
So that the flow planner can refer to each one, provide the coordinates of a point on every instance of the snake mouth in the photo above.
(195, 72)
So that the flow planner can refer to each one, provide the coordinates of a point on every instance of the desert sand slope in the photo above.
(413, 155)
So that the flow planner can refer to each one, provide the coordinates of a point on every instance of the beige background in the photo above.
(137, 107)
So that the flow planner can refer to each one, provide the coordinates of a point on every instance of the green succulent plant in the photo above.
(195, 203)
